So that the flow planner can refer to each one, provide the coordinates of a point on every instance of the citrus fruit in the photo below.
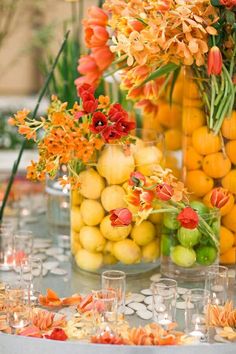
(188, 237)
(205, 141)
(229, 181)
(127, 251)
(89, 261)
(188, 102)
(216, 165)
(173, 139)
(76, 219)
(229, 220)
(170, 221)
(228, 128)
(230, 149)
(91, 184)
(199, 183)
(155, 218)
(182, 256)
(113, 233)
(91, 239)
(225, 209)
(115, 165)
(113, 197)
(143, 233)
(169, 115)
(75, 246)
(108, 247)
(92, 212)
(147, 158)
(151, 251)
(76, 198)
(229, 257)
(226, 239)
(192, 159)
(109, 259)
(206, 255)
(199, 207)
(191, 89)
(193, 118)
(177, 94)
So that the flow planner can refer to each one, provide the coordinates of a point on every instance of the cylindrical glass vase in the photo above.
(186, 253)
(95, 244)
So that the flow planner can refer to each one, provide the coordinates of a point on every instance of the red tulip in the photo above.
(137, 179)
(99, 122)
(215, 61)
(188, 218)
(85, 88)
(164, 191)
(228, 3)
(120, 217)
(103, 57)
(219, 197)
(96, 16)
(96, 36)
(57, 334)
(90, 104)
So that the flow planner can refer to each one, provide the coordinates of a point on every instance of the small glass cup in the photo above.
(115, 280)
(197, 301)
(23, 246)
(105, 311)
(216, 282)
(164, 294)
(31, 270)
(6, 247)
(18, 307)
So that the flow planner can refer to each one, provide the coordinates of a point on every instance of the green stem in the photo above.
(213, 95)
(41, 95)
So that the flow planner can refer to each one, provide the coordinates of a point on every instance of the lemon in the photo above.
(88, 260)
(108, 247)
(114, 165)
(155, 218)
(138, 144)
(127, 251)
(92, 212)
(91, 184)
(113, 197)
(91, 239)
(109, 259)
(151, 251)
(113, 233)
(147, 158)
(76, 219)
(76, 198)
(143, 233)
(75, 246)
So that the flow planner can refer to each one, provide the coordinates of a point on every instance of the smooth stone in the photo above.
(137, 306)
(58, 271)
(128, 311)
(50, 265)
(145, 315)
(155, 277)
(146, 292)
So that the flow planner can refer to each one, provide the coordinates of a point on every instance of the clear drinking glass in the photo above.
(6, 248)
(105, 311)
(23, 245)
(31, 270)
(115, 280)
(196, 326)
(164, 294)
(216, 282)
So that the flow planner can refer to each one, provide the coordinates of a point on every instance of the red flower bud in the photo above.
(188, 218)
(219, 197)
(90, 104)
(57, 334)
(215, 62)
(164, 191)
(137, 179)
(228, 3)
(120, 217)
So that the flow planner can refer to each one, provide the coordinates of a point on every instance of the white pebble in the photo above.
(181, 305)
(36, 272)
(61, 257)
(54, 251)
(231, 273)
(45, 272)
(145, 315)
(42, 256)
(137, 306)
(134, 297)
(146, 292)
(50, 265)
(58, 271)
(148, 300)
(160, 308)
(128, 311)
(155, 277)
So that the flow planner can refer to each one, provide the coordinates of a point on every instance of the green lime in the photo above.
(165, 245)
(206, 255)
(216, 227)
(182, 256)
(170, 221)
(188, 238)
(199, 207)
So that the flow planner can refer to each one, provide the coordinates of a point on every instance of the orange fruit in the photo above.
(226, 239)
(169, 116)
(205, 142)
(228, 128)
(234, 239)
(229, 181)
(188, 102)
(177, 94)
(173, 139)
(151, 122)
(199, 183)
(225, 209)
(193, 118)
(229, 257)
(229, 220)
(231, 151)
(216, 165)
(191, 89)
(192, 160)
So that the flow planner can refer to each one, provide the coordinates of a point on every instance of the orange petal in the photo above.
(51, 295)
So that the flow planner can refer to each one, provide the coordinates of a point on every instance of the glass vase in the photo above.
(209, 160)
(187, 253)
(95, 244)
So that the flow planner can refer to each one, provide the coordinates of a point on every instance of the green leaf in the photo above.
(163, 70)
(215, 2)
(230, 17)
(173, 81)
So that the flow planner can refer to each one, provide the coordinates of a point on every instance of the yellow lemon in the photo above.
(108, 247)
(147, 158)
(91, 184)
(143, 233)
(113, 233)
(76, 219)
(115, 165)
(113, 197)
(155, 218)
(76, 198)
(75, 246)
(151, 252)
(127, 252)
(109, 259)
(89, 261)
(92, 212)
(74, 235)
(91, 239)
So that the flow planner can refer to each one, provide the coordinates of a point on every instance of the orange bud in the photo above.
(215, 62)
